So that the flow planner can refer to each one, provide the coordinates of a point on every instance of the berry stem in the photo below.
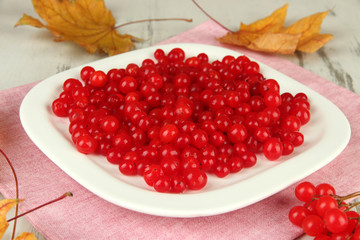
(227, 29)
(153, 20)
(16, 190)
(352, 205)
(349, 196)
(67, 194)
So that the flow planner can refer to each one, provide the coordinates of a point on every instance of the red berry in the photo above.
(324, 204)
(61, 107)
(127, 84)
(272, 149)
(335, 220)
(98, 79)
(237, 133)
(196, 179)
(109, 124)
(235, 164)
(178, 184)
(325, 189)
(249, 159)
(322, 237)
(305, 191)
(86, 144)
(291, 123)
(162, 184)
(86, 72)
(221, 170)
(168, 133)
(114, 155)
(171, 166)
(199, 138)
(297, 215)
(70, 84)
(272, 99)
(152, 174)
(313, 225)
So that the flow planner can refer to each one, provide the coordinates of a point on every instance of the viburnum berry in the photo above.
(324, 214)
(162, 184)
(86, 72)
(70, 84)
(324, 189)
(175, 117)
(336, 221)
(168, 133)
(325, 203)
(98, 79)
(313, 225)
(297, 215)
(272, 149)
(61, 107)
(152, 174)
(305, 191)
(237, 133)
(86, 144)
(195, 179)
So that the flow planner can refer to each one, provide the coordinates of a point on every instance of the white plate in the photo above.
(326, 135)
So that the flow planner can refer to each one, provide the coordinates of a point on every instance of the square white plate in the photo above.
(326, 135)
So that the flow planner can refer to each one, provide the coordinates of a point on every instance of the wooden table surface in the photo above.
(28, 54)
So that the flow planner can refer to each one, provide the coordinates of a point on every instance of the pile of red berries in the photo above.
(174, 119)
(325, 215)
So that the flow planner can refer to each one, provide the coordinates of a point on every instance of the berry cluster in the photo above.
(174, 119)
(325, 215)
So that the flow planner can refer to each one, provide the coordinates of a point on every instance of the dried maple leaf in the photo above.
(5, 206)
(282, 43)
(309, 28)
(26, 236)
(86, 22)
(248, 34)
(272, 23)
(270, 35)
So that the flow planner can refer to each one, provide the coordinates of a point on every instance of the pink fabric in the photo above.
(86, 216)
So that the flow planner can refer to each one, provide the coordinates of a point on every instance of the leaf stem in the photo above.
(208, 15)
(16, 190)
(153, 20)
(67, 194)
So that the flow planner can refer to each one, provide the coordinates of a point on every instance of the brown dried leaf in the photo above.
(86, 22)
(269, 34)
(239, 38)
(282, 43)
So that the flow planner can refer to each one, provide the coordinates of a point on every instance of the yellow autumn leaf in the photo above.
(28, 20)
(272, 23)
(270, 35)
(26, 236)
(5, 206)
(313, 43)
(309, 28)
(86, 22)
(249, 33)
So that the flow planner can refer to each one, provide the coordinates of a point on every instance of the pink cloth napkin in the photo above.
(87, 216)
